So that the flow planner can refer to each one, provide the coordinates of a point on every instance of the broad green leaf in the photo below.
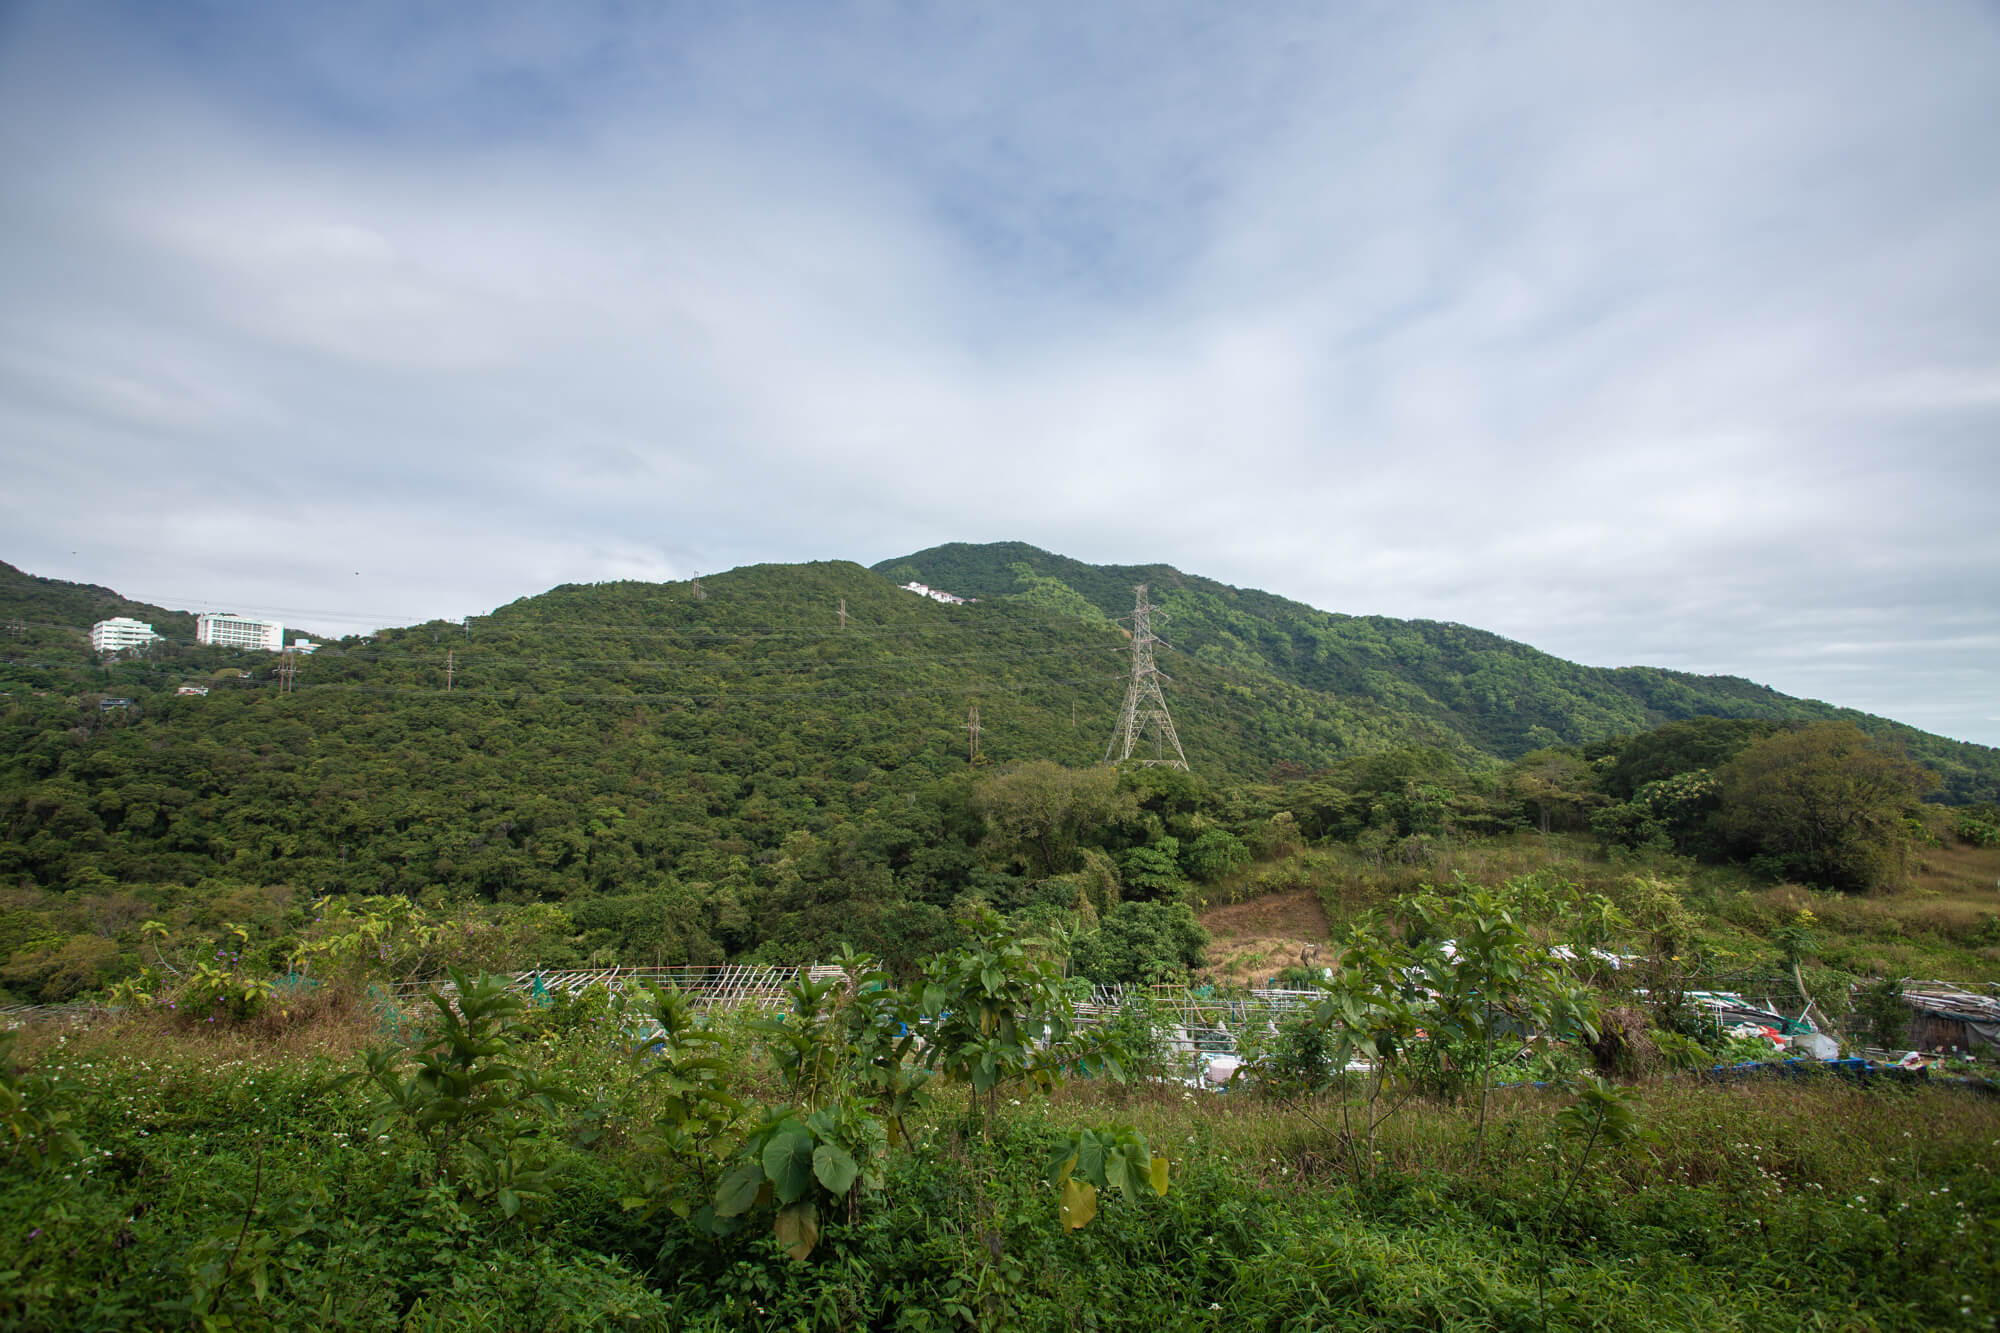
(1117, 1174)
(739, 1190)
(788, 1162)
(1090, 1158)
(1156, 1175)
(834, 1168)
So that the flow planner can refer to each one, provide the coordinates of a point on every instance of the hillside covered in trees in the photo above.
(1496, 696)
(632, 772)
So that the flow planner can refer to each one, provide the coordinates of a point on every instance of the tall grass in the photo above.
(1772, 1204)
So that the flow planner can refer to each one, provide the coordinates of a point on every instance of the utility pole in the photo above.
(1145, 707)
(447, 670)
(972, 730)
(288, 665)
(843, 613)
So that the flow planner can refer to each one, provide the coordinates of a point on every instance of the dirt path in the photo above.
(1251, 940)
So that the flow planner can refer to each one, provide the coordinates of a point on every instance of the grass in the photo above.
(1773, 1204)
(1944, 923)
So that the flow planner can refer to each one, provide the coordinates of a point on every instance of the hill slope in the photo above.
(1496, 696)
(694, 777)
(593, 738)
(53, 612)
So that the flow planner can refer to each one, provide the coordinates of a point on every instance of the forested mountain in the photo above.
(1493, 695)
(684, 775)
(627, 749)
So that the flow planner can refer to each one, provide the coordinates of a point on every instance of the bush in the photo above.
(1300, 1058)
(1140, 942)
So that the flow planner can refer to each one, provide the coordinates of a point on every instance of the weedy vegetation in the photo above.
(962, 1150)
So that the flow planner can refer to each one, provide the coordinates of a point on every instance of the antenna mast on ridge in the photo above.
(1145, 707)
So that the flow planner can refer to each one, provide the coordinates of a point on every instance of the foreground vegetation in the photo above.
(214, 1177)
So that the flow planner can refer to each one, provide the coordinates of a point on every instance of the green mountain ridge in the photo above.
(733, 771)
(1494, 695)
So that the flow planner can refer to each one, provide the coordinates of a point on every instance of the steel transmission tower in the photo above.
(1145, 707)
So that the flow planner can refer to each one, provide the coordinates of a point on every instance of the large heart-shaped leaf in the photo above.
(739, 1190)
(788, 1162)
(834, 1168)
(1077, 1203)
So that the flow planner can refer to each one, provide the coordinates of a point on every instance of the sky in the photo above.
(1645, 334)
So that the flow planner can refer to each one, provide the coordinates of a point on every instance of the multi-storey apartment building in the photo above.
(232, 631)
(120, 633)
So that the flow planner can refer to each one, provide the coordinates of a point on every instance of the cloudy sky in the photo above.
(1644, 334)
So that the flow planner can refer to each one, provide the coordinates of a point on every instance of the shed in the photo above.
(1943, 1015)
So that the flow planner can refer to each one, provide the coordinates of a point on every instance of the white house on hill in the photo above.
(120, 633)
(231, 631)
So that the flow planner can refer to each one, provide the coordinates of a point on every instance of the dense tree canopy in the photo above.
(679, 779)
(1831, 805)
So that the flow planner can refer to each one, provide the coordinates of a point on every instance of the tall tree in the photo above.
(1829, 803)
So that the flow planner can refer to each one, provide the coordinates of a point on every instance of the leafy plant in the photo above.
(475, 1113)
(686, 1067)
(1487, 975)
(1601, 1116)
(1370, 1014)
(237, 1261)
(995, 1014)
(1094, 1160)
(38, 1114)
(807, 1165)
(883, 1026)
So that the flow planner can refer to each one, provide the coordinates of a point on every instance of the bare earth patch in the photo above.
(1251, 940)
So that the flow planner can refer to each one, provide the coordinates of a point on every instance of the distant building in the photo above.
(935, 594)
(120, 633)
(304, 646)
(106, 705)
(231, 631)
(192, 689)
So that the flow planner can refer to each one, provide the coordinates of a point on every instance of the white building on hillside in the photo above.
(232, 631)
(120, 633)
(935, 594)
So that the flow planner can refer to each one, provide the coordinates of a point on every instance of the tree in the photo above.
(1828, 803)
(1556, 783)
(1039, 814)
(1140, 942)
(995, 1013)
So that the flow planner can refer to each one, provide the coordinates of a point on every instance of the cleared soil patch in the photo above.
(1251, 940)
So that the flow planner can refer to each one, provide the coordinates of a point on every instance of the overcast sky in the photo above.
(1646, 335)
